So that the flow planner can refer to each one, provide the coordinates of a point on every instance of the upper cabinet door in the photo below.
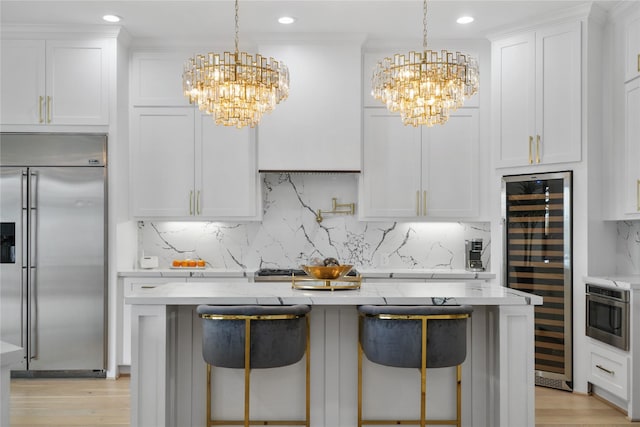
(513, 76)
(77, 82)
(450, 171)
(632, 144)
(391, 185)
(55, 82)
(162, 169)
(318, 126)
(537, 78)
(632, 46)
(226, 173)
(22, 77)
(558, 94)
(156, 79)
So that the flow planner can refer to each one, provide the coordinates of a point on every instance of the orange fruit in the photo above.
(200, 263)
(176, 263)
(192, 263)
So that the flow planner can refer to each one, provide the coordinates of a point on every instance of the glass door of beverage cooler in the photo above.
(538, 260)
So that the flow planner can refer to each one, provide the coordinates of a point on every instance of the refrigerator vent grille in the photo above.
(552, 383)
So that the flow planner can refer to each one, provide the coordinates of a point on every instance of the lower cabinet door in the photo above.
(609, 370)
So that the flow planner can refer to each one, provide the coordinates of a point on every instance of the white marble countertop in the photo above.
(184, 272)
(425, 273)
(382, 293)
(374, 273)
(614, 281)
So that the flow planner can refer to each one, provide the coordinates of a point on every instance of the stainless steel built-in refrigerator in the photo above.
(53, 252)
(538, 259)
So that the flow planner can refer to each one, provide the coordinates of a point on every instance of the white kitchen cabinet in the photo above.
(537, 96)
(227, 183)
(632, 145)
(317, 128)
(186, 167)
(420, 173)
(632, 46)
(135, 284)
(55, 82)
(130, 285)
(156, 79)
(162, 170)
(609, 369)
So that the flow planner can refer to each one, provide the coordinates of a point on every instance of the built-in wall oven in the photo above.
(608, 315)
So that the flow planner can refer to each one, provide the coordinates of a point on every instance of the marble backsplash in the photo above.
(628, 248)
(289, 234)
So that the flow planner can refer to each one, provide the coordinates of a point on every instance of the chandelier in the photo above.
(425, 86)
(233, 87)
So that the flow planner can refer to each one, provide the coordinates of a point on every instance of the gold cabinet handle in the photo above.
(191, 202)
(40, 100)
(608, 371)
(537, 148)
(48, 109)
(639, 62)
(424, 203)
(198, 203)
(530, 148)
(418, 203)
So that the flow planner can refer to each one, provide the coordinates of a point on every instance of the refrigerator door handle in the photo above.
(32, 313)
(24, 268)
(32, 308)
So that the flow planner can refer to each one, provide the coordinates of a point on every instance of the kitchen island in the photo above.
(168, 373)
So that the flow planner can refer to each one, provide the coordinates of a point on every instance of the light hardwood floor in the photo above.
(91, 403)
(70, 402)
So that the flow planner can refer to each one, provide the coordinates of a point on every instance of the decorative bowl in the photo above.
(330, 272)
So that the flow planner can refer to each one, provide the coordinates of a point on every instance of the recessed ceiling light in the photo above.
(465, 20)
(286, 20)
(111, 18)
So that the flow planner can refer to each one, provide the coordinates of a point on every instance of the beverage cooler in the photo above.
(538, 259)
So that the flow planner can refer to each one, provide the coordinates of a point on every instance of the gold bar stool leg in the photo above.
(459, 396)
(423, 375)
(308, 385)
(208, 395)
(359, 384)
(247, 369)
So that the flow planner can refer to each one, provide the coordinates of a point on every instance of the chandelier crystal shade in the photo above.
(235, 88)
(425, 86)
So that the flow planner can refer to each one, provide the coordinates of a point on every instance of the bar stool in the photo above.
(414, 337)
(254, 337)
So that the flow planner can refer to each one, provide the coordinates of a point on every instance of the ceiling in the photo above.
(186, 20)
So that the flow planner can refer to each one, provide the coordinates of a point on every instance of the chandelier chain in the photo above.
(424, 25)
(237, 29)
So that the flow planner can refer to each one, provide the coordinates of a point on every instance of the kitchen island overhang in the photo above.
(167, 370)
